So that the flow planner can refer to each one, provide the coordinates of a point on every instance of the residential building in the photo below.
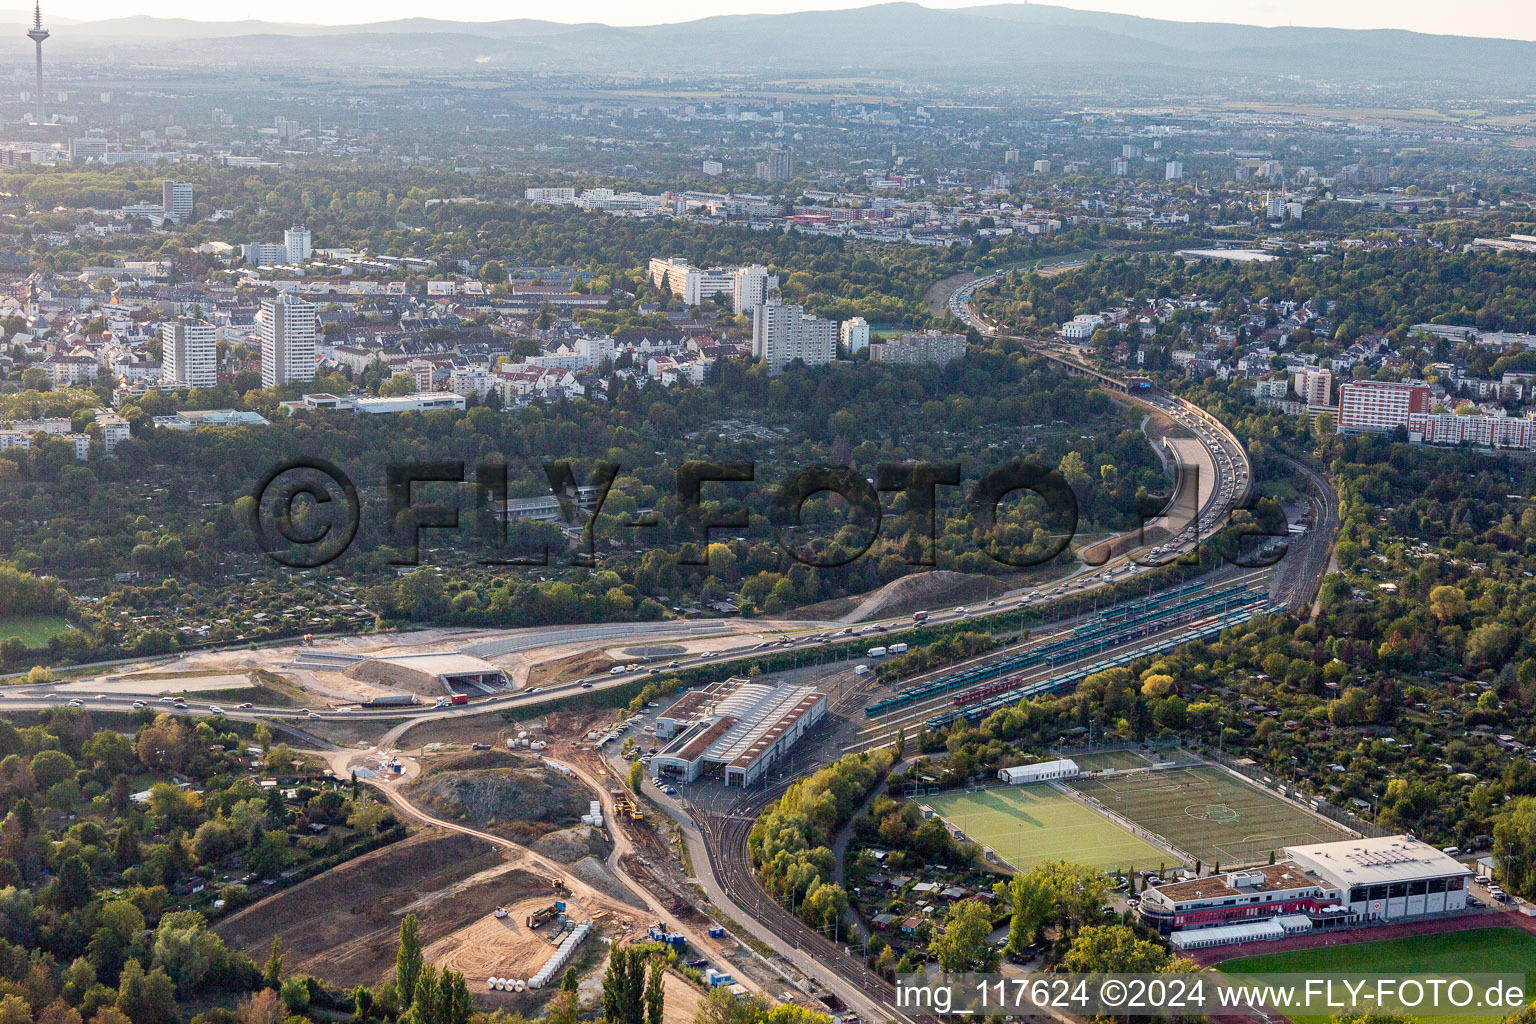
(926, 347)
(854, 335)
(176, 201)
(1379, 405)
(1173, 170)
(750, 287)
(189, 353)
(297, 244)
(1315, 385)
(783, 333)
(778, 167)
(287, 327)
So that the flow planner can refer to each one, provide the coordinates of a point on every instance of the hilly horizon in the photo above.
(979, 44)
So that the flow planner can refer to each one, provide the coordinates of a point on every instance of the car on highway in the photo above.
(314, 714)
(138, 704)
(586, 686)
(76, 702)
(246, 706)
(214, 709)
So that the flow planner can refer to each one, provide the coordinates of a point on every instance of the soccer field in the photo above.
(1121, 760)
(33, 630)
(1483, 951)
(1026, 825)
(1208, 814)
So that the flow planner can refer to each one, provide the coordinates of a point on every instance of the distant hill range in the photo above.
(1006, 44)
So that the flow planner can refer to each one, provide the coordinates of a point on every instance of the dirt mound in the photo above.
(924, 591)
(499, 792)
(572, 844)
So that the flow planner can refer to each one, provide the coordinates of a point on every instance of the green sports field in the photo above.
(1120, 760)
(1483, 951)
(1209, 814)
(32, 630)
(1026, 825)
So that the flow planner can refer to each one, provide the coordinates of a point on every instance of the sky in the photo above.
(1510, 19)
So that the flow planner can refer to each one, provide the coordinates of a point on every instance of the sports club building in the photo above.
(1325, 885)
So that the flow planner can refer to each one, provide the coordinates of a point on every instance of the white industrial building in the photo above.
(1045, 771)
(736, 727)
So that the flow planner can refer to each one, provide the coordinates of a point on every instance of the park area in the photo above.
(32, 630)
(1026, 825)
(1481, 951)
(1210, 814)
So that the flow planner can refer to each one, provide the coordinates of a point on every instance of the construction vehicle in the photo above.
(559, 884)
(543, 914)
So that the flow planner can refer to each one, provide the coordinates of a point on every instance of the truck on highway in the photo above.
(393, 700)
(897, 648)
(919, 616)
(876, 652)
(459, 698)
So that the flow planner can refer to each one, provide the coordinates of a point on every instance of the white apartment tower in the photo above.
(296, 241)
(854, 334)
(189, 353)
(1173, 170)
(286, 325)
(781, 334)
(750, 287)
(176, 201)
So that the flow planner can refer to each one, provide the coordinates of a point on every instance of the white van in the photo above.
(876, 652)
(897, 648)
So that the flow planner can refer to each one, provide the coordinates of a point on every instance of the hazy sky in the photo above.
(1515, 19)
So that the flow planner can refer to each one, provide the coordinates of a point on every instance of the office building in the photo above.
(783, 333)
(934, 347)
(87, 147)
(854, 334)
(296, 244)
(287, 327)
(264, 254)
(556, 196)
(1379, 405)
(189, 353)
(176, 201)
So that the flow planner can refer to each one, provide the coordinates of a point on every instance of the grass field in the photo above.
(1209, 814)
(1483, 951)
(33, 630)
(1121, 760)
(1026, 825)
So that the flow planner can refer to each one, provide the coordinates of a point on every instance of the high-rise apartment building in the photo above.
(1314, 384)
(176, 201)
(926, 347)
(780, 166)
(1379, 405)
(286, 325)
(750, 287)
(854, 334)
(189, 353)
(296, 241)
(783, 333)
(1173, 170)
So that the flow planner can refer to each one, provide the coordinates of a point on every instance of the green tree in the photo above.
(655, 992)
(408, 961)
(272, 972)
(962, 945)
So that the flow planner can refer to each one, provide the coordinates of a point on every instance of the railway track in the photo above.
(726, 839)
